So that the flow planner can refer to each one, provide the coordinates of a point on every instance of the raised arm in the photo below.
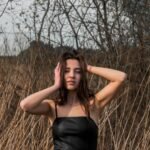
(116, 78)
(37, 103)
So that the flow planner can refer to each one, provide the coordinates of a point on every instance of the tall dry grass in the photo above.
(123, 125)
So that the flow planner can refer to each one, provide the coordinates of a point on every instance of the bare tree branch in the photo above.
(85, 25)
(69, 20)
(4, 8)
(43, 18)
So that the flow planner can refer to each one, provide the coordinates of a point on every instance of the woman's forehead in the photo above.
(72, 63)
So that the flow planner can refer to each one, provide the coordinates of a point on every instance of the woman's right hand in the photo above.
(57, 81)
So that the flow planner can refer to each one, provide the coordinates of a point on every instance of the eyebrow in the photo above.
(74, 68)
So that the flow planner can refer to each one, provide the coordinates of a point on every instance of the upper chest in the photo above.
(75, 111)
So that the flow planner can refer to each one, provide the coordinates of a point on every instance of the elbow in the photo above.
(23, 106)
(123, 77)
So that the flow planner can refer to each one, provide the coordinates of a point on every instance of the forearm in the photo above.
(107, 73)
(36, 98)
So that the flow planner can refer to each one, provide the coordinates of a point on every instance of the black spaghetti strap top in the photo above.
(74, 133)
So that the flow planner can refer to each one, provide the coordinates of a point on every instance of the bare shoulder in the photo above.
(92, 103)
(51, 104)
(95, 110)
(94, 107)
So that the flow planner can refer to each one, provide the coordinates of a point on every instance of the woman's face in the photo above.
(72, 74)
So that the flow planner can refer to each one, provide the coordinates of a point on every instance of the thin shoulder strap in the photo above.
(88, 112)
(56, 109)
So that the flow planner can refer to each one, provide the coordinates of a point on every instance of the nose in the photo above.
(71, 74)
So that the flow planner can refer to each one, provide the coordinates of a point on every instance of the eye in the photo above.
(78, 71)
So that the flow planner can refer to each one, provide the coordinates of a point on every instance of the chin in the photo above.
(71, 88)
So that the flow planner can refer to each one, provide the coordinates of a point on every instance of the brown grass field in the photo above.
(123, 125)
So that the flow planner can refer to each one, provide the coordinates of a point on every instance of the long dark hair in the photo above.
(83, 92)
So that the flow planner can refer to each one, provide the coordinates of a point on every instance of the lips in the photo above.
(71, 82)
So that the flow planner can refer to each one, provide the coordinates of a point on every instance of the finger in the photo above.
(57, 65)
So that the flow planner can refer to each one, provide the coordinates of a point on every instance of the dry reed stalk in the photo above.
(123, 124)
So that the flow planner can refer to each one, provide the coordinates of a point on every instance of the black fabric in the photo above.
(74, 133)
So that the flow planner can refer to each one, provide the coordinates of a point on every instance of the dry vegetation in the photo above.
(124, 123)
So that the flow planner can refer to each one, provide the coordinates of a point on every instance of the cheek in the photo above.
(65, 76)
(79, 77)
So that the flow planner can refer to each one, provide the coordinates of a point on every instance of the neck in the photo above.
(72, 98)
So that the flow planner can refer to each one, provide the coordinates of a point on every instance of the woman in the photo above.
(74, 114)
